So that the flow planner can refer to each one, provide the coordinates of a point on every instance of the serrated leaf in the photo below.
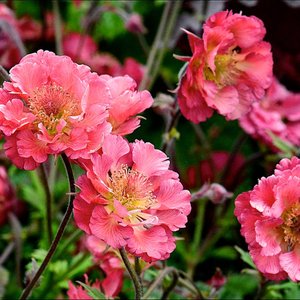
(245, 256)
(93, 292)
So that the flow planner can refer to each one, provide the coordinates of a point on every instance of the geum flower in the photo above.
(129, 198)
(123, 100)
(230, 68)
(277, 114)
(50, 107)
(270, 219)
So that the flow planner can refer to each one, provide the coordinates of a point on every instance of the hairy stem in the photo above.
(59, 233)
(133, 275)
(57, 28)
(172, 17)
(172, 285)
(48, 202)
(158, 281)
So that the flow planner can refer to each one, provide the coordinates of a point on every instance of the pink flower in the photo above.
(51, 106)
(29, 29)
(269, 216)
(134, 69)
(229, 70)
(79, 47)
(135, 24)
(124, 102)
(129, 198)
(277, 114)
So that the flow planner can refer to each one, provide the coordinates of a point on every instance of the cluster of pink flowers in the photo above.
(277, 113)
(129, 198)
(230, 68)
(43, 111)
(270, 218)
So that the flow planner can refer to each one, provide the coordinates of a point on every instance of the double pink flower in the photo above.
(270, 219)
(53, 105)
(129, 198)
(230, 68)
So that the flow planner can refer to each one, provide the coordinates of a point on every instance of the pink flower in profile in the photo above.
(51, 106)
(277, 114)
(124, 102)
(270, 216)
(230, 68)
(129, 198)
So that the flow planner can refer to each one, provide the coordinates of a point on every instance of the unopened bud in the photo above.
(135, 24)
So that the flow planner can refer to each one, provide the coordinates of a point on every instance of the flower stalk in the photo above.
(60, 231)
(133, 275)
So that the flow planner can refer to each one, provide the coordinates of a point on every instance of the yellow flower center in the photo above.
(50, 104)
(291, 225)
(225, 72)
(131, 188)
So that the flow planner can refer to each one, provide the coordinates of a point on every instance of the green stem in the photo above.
(48, 202)
(173, 14)
(172, 285)
(57, 28)
(133, 275)
(199, 222)
(59, 233)
(155, 46)
(199, 225)
(190, 282)
(158, 281)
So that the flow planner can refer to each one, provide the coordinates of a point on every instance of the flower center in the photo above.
(291, 225)
(225, 72)
(131, 188)
(50, 104)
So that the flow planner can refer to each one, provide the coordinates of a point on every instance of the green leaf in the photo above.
(93, 292)
(239, 286)
(109, 26)
(245, 256)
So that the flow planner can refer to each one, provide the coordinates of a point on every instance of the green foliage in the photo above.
(239, 286)
(93, 292)
(109, 27)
